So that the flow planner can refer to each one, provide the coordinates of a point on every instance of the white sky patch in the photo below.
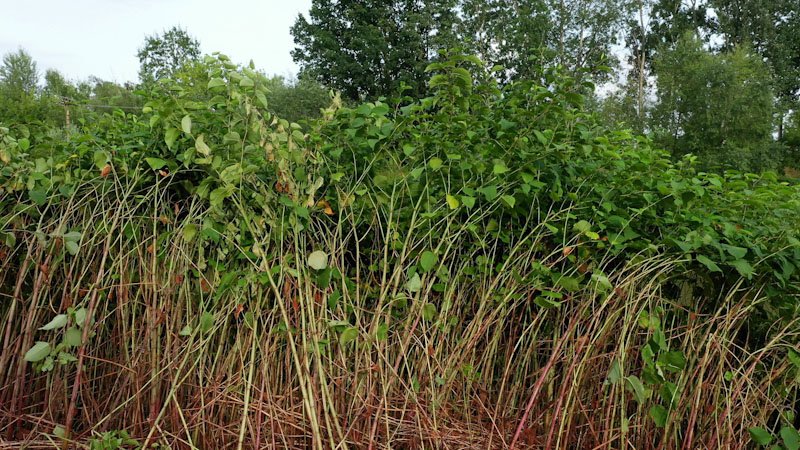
(101, 37)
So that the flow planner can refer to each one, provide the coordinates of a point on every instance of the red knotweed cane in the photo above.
(538, 386)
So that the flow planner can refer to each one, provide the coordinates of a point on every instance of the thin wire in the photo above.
(109, 106)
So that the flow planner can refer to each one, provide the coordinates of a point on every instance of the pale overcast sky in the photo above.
(101, 37)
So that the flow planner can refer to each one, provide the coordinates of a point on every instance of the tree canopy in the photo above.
(163, 55)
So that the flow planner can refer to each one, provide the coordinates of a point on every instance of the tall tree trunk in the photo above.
(641, 57)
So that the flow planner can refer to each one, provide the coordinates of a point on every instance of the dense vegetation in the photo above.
(485, 266)
(412, 247)
(715, 78)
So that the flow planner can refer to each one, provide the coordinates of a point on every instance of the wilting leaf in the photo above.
(452, 201)
(326, 207)
(318, 260)
(414, 284)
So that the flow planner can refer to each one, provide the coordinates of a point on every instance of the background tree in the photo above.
(163, 55)
(717, 106)
(791, 139)
(576, 34)
(585, 31)
(772, 28)
(19, 80)
(507, 33)
(296, 100)
(366, 48)
(18, 74)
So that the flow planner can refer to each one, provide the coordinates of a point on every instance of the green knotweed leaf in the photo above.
(659, 415)
(38, 352)
(171, 135)
(711, 265)
(73, 337)
(414, 284)
(760, 435)
(39, 196)
(428, 260)
(348, 335)
(206, 322)
(634, 384)
(155, 163)
(790, 437)
(744, 268)
(429, 311)
(58, 322)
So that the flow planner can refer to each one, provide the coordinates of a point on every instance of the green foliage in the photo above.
(113, 440)
(369, 47)
(19, 101)
(716, 106)
(296, 100)
(18, 74)
(576, 34)
(475, 146)
(763, 25)
(493, 199)
(163, 55)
